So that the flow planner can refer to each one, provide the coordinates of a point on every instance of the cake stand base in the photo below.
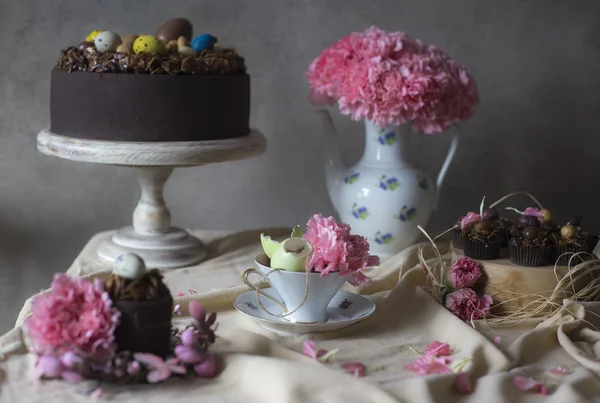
(152, 237)
(175, 248)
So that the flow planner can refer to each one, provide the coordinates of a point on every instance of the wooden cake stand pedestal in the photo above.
(152, 237)
(518, 289)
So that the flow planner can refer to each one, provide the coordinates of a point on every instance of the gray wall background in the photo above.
(537, 128)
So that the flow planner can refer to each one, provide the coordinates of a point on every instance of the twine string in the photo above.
(285, 310)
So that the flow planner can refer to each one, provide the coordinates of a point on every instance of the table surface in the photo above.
(260, 366)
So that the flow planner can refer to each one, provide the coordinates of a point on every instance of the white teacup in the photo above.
(306, 302)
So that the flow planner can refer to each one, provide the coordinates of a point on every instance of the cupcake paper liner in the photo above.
(457, 238)
(591, 243)
(481, 250)
(564, 260)
(529, 256)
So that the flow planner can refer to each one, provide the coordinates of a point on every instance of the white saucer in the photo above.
(345, 309)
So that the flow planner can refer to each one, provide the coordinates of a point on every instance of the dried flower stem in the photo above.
(516, 194)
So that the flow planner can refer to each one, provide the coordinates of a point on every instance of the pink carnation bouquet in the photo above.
(390, 78)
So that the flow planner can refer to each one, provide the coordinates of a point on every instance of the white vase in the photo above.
(382, 197)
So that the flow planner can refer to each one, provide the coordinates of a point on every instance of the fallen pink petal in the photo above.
(463, 383)
(309, 349)
(428, 365)
(97, 393)
(354, 368)
(438, 349)
(560, 371)
(497, 341)
(526, 384)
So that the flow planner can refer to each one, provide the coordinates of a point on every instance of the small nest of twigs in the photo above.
(150, 286)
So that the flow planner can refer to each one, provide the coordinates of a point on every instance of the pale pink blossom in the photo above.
(463, 383)
(467, 305)
(159, 370)
(497, 340)
(51, 366)
(207, 368)
(469, 219)
(75, 315)
(335, 249)
(464, 273)
(534, 212)
(438, 349)
(354, 368)
(526, 384)
(390, 78)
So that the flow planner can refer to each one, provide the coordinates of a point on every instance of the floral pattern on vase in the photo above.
(390, 183)
(406, 213)
(353, 177)
(383, 239)
(360, 213)
(397, 197)
(386, 139)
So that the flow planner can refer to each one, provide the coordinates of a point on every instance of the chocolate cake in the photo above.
(150, 89)
(145, 304)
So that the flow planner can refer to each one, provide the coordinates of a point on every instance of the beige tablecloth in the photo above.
(259, 366)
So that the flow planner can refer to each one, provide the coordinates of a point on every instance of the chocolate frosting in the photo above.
(208, 62)
(149, 107)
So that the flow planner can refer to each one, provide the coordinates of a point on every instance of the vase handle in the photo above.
(444, 169)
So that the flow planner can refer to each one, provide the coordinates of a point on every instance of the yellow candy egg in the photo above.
(148, 44)
(92, 35)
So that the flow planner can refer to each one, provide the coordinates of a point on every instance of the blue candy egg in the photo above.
(203, 42)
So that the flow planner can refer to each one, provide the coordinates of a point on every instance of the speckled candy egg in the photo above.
(129, 266)
(107, 41)
(148, 44)
(92, 35)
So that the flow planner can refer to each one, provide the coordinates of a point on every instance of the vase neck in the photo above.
(386, 145)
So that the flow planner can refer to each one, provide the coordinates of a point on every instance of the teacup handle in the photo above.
(256, 287)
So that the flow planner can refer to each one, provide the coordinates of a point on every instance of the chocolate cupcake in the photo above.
(530, 245)
(590, 237)
(503, 224)
(146, 307)
(569, 241)
(460, 226)
(482, 240)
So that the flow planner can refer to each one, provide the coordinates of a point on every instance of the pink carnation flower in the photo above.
(390, 78)
(76, 314)
(464, 273)
(465, 304)
(336, 250)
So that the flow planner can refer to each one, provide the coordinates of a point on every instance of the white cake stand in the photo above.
(152, 237)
